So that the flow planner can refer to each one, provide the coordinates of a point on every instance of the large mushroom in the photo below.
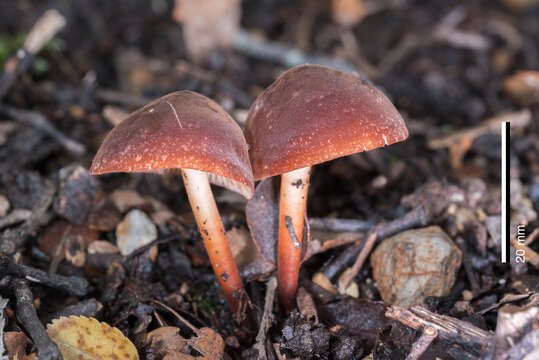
(309, 115)
(188, 131)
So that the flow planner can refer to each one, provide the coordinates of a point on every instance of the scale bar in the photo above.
(505, 191)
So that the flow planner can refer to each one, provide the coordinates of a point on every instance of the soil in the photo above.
(446, 77)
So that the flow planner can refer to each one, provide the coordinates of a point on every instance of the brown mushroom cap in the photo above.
(182, 130)
(312, 114)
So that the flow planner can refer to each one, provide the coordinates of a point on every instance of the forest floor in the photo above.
(453, 69)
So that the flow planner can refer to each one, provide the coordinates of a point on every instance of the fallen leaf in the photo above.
(165, 341)
(126, 199)
(523, 87)
(262, 214)
(84, 338)
(209, 343)
(16, 342)
(207, 24)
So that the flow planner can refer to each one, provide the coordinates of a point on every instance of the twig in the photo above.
(3, 303)
(338, 225)
(461, 141)
(421, 345)
(531, 238)
(41, 33)
(470, 274)
(88, 308)
(73, 284)
(446, 31)
(181, 318)
(267, 318)
(471, 338)
(241, 97)
(118, 97)
(531, 256)
(365, 251)
(286, 55)
(15, 216)
(43, 124)
(27, 315)
(12, 239)
(419, 216)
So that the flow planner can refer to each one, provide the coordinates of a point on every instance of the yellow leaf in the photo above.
(84, 338)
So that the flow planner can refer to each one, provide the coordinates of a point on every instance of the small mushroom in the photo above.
(185, 130)
(309, 115)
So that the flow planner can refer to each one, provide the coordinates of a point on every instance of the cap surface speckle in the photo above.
(312, 114)
(181, 130)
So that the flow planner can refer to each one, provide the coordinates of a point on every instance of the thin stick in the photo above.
(181, 318)
(73, 284)
(3, 303)
(43, 124)
(211, 228)
(450, 329)
(365, 251)
(267, 318)
(41, 33)
(286, 55)
(293, 202)
(419, 216)
(27, 315)
(340, 225)
(12, 239)
(422, 344)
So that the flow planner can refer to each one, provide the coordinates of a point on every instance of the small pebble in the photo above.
(415, 264)
(467, 295)
(135, 231)
(4, 206)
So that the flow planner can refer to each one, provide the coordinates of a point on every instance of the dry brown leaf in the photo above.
(207, 24)
(16, 342)
(242, 246)
(166, 341)
(84, 338)
(209, 343)
(348, 12)
(523, 87)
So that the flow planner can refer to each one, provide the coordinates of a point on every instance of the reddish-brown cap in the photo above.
(182, 130)
(312, 114)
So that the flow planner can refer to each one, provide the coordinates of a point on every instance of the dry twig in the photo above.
(41, 33)
(41, 123)
(473, 339)
(27, 315)
(461, 141)
(73, 284)
(421, 345)
(267, 318)
(417, 217)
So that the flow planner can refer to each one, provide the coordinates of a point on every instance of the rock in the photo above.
(76, 194)
(415, 264)
(135, 231)
(126, 199)
(4, 206)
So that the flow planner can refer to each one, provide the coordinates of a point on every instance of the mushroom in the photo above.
(309, 115)
(189, 132)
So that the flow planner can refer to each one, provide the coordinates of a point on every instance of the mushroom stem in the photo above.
(293, 202)
(211, 228)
